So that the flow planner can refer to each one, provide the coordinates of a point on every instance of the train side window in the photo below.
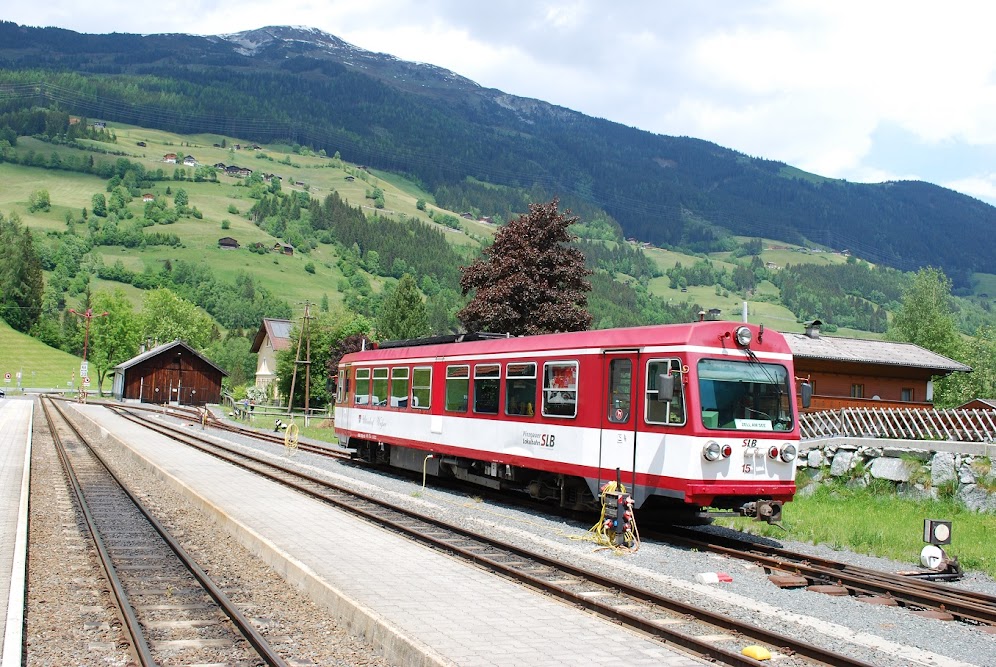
(457, 388)
(664, 412)
(399, 387)
(620, 389)
(421, 388)
(362, 386)
(560, 389)
(520, 389)
(379, 396)
(487, 384)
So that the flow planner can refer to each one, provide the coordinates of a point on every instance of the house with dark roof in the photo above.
(853, 372)
(228, 243)
(272, 337)
(173, 373)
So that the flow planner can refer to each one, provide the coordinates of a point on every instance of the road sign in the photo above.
(6, 378)
(84, 369)
(86, 381)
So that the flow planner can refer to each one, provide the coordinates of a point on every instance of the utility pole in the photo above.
(84, 368)
(304, 336)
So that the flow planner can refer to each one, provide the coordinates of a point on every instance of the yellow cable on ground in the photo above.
(290, 439)
(604, 535)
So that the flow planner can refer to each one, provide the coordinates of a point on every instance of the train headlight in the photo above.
(712, 451)
(744, 336)
(789, 453)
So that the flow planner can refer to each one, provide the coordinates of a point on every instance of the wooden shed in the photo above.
(173, 373)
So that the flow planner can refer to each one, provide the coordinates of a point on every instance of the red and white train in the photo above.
(688, 416)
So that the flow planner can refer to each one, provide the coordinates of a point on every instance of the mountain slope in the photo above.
(309, 87)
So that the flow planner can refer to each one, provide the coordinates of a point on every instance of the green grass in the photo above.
(41, 367)
(985, 283)
(880, 524)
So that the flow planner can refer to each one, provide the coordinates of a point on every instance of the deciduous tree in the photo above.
(530, 281)
(926, 316)
(114, 338)
(167, 317)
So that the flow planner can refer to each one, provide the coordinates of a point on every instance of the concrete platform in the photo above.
(15, 474)
(418, 606)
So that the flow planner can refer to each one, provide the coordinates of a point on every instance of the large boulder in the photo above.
(942, 468)
(896, 470)
(843, 461)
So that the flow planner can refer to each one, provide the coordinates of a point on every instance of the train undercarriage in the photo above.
(568, 492)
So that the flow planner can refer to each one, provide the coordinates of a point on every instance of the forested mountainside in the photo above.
(460, 140)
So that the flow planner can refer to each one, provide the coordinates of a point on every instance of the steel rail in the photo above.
(140, 645)
(965, 605)
(241, 622)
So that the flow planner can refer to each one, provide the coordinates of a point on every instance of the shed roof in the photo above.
(858, 350)
(159, 349)
(278, 331)
(988, 402)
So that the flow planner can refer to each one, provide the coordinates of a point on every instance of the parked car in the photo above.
(2, 394)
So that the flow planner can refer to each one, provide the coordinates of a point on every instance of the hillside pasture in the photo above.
(41, 366)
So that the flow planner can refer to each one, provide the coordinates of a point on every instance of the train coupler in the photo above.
(769, 511)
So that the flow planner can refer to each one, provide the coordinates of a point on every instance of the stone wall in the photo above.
(919, 469)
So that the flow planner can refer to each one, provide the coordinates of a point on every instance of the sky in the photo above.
(864, 91)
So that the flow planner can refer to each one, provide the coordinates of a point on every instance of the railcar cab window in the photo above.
(457, 388)
(379, 396)
(744, 395)
(520, 389)
(560, 389)
(399, 387)
(421, 388)
(620, 389)
(659, 410)
(487, 384)
(362, 386)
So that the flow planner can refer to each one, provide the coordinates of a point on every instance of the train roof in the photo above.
(705, 334)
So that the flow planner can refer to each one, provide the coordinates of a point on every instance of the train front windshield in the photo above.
(744, 395)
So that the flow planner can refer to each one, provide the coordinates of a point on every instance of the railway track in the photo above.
(170, 609)
(694, 628)
(929, 598)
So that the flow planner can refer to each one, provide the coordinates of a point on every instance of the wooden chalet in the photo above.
(228, 243)
(858, 373)
(272, 337)
(284, 248)
(173, 373)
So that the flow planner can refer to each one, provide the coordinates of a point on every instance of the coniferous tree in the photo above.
(21, 281)
(403, 315)
(530, 281)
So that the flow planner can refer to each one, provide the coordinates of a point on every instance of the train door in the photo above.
(617, 448)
